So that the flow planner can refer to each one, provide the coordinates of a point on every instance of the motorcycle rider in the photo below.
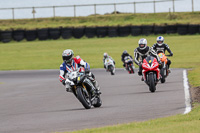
(71, 63)
(124, 54)
(160, 46)
(105, 55)
(142, 52)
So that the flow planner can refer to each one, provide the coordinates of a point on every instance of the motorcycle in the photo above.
(164, 70)
(129, 64)
(84, 89)
(151, 72)
(109, 66)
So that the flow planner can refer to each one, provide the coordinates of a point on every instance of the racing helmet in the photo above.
(160, 40)
(67, 55)
(125, 52)
(142, 43)
(105, 55)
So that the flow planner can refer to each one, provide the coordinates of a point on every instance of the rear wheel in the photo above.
(84, 97)
(152, 86)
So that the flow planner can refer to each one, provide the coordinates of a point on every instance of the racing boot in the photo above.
(97, 87)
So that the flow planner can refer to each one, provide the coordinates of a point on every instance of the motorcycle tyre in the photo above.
(82, 98)
(162, 80)
(99, 103)
(152, 86)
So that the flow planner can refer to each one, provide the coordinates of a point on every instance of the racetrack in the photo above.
(35, 101)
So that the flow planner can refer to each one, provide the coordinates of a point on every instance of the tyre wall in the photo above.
(102, 31)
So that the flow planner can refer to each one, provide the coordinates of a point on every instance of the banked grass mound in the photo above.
(104, 20)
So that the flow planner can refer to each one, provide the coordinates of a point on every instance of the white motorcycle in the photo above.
(110, 66)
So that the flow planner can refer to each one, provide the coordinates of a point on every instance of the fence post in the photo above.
(13, 14)
(74, 10)
(173, 6)
(115, 8)
(95, 10)
(134, 6)
(154, 6)
(54, 12)
(33, 12)
(192, 6)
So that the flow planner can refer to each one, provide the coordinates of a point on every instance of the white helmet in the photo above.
(67, 55)
(160, 40)
(142, 43)
(105, 55)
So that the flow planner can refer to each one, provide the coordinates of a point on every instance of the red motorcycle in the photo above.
(151, 72)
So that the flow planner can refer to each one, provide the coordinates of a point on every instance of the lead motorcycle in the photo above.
(151, 72)
(109, 66)
(129, 64)
(84, 89)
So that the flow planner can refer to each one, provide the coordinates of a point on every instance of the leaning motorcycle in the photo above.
(84, 89)
(164, 70)
(129, 64)
(110, 66)
(151, 72)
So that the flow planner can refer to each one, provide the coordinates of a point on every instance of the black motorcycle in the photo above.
(84, 89)
(129, 64)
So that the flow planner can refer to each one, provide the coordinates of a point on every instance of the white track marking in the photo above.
(187, 93)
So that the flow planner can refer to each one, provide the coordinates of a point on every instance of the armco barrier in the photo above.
(159, 29)
(43, 34)
(182, 29)
(102, 31)
(124, 31)
(54, 33)
(171, 29)
(66, 32)
(90, 32)
(193, 29)
(136, 30)
(6, 36)
(79, 32)
(18, 35)
(113, 31)
(147, 29)
(31, 35)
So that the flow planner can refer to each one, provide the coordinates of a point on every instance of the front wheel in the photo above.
(98, 103)
(162, 73)
(152, 86)
(84, 97)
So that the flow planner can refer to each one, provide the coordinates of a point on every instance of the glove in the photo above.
(171, 54)
(67, 81)
(63, 81)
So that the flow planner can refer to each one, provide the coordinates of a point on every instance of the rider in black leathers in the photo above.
(142, 52)
(124, 54)
(160, 46)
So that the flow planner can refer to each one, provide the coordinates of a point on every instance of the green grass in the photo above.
(104, 20)
(47, 54)
(188, 123)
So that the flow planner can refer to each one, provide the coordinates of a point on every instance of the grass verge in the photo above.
(188, 123)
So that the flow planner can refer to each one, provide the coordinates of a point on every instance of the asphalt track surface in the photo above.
(35, 101)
